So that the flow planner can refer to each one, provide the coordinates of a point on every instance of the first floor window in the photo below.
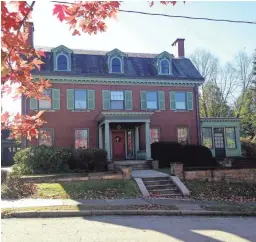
(231, 138)
(151, 98)
(207, 137)
(180, 98)
(45, 137)
(183, 135)
(46, 103)
(154, 135)
(117, 100)
(80, 99)
(81, 138)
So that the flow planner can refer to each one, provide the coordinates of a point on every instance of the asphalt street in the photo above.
(130, 228)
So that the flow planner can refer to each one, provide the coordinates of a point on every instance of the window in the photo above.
(154, 135)
(81, 138)
(231, 138)
(46, 103)
(151, 98)
(116, 65)
(207, 137)
(180, 98)
(45, 137)
(183, 135)
(117, 100)
(62, 63)
(165, 67)
(80, 99)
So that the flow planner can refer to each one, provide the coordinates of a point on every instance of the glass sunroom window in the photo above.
(207, 137)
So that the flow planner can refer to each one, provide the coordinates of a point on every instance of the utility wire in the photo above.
(176, 16)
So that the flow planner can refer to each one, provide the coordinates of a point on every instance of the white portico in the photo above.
(118, 134)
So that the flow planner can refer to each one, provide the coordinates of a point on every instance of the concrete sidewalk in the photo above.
(182, 204)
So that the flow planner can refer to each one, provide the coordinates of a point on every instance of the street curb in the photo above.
(60, 214)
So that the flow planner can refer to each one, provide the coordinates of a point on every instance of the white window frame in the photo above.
(160, 67)
(157, 105)
(117, 100)
(184, 102)
(121, 65)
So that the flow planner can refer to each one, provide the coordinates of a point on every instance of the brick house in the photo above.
(118, 101)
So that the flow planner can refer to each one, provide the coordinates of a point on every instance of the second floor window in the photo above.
(152, 101)
(46, 103)
(62, 63)
(165, 67)
(180, 98)
(116, 65)
(80, 99)
(117, 100)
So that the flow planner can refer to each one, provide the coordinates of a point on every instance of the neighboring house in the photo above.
(118, 101)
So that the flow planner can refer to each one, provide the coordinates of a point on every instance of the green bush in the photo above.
(4, 174)
(92, 159)
(248, 147)
(16, 188)
(42, 159)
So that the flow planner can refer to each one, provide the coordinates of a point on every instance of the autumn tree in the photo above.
(18, 58)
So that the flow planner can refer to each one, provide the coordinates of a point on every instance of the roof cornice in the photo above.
(119, 81)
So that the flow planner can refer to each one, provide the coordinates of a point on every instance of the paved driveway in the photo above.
(130, 229)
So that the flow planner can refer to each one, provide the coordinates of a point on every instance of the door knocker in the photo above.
(117, 139)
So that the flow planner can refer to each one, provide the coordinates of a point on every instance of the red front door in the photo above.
(118, 144)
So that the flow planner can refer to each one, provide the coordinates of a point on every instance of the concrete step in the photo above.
(164, 178)
(156, 187)
(156, 183)
(167, 195)
(164, 190)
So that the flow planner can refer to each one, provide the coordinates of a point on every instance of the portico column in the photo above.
(137, 141)
(147, 137)
(107, 141)
(100, 138)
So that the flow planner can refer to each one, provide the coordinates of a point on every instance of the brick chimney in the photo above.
(181, 49)
(29, 28)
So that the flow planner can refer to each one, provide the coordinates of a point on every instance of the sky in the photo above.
(154, 34)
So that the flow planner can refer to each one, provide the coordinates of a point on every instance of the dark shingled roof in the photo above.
(91, 63)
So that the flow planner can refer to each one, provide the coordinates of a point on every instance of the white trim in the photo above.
(118, 81)
(56, 61)
(160, 67)
(121, 64)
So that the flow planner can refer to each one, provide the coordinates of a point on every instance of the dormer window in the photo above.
(116, 65)
(165, 67)
(115, 61)
(62, 62)
(62, 57)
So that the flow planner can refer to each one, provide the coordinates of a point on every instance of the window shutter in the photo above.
(56, 99)
(91, 99)
(106, 99)
(189, 101)
(33, 103)
(128, 100)
(172, 101)
(70, 99)
(143, 101)
(161, 101)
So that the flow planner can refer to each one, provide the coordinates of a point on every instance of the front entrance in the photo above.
(219, 143)
(118, 144)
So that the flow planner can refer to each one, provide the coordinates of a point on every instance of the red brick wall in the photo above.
(230, 175)
(64, 122)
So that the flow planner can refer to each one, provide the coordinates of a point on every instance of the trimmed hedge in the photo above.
(45, 159)
(189, 155)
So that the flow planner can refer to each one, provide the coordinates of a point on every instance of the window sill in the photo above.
(182, 111)
(46, 110)
(231, 148)
(85, 110)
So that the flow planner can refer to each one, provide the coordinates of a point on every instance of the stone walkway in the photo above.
(147, 173)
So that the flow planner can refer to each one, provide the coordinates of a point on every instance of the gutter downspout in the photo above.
(25, 112)
(197, 116)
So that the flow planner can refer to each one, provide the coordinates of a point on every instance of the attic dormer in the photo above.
(163, 63)
(115, 60)
(62, 58)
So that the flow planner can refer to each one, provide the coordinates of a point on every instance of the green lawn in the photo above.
(88, 190)
(221, 191)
